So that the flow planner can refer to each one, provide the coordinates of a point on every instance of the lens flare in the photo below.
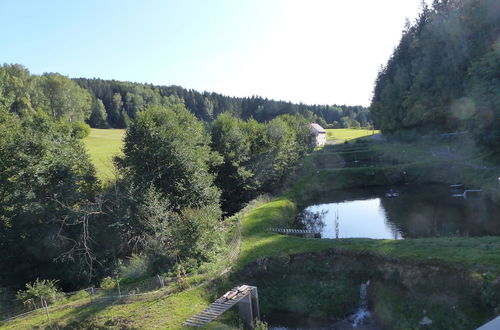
(463, 108)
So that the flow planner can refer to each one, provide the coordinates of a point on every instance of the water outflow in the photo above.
(362, 315)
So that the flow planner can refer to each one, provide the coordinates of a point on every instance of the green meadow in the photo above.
(102, 145)
(348, 134)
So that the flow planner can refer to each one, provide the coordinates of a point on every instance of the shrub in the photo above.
(108, 283)
(80, 130)
(136, 268)
(39, 290)
(260, 325)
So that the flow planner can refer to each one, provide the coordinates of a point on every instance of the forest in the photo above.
(178, 181)
(444, 74)
(117, 102)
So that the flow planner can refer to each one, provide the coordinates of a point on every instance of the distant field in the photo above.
(347, 134)
(102, 145)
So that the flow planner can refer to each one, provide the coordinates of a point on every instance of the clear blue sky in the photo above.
(312, 51)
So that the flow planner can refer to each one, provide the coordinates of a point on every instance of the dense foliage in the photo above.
(110, 103)
(124, 100)
(58, 223)
(445, 73)
(169, 149)
(256, 156)
(189, 160)
(58, 96)
(45, 177)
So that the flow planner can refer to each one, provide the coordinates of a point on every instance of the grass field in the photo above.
(348, 134)
(102, 145)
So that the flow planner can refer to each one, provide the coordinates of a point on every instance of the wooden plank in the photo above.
(212, 313)
(218, 307)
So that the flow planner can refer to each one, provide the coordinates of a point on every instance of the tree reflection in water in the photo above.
(310, 220)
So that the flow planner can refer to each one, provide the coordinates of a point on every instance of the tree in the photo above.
(99, 116)
(45, 175)
(483, 99)
(234, 175)
(443, 74)
(169, 148)
(62, 98)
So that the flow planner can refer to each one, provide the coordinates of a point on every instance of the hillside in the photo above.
(444, 74)
(122, 100)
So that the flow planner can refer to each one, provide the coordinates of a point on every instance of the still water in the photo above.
(418, 211)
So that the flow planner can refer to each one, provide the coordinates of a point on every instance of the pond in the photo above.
(418, 211)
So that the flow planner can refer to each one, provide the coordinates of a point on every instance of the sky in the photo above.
(310, 51)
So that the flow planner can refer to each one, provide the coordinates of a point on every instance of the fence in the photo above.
(143, 287)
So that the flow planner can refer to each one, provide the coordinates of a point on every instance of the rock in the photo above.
(425, 321)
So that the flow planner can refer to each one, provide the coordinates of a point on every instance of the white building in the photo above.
(319, 135)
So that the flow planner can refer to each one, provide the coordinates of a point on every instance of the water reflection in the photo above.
(312, 220)
(419, 211)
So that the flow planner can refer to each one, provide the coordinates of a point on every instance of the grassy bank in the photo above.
(477, 258)
(102, 145)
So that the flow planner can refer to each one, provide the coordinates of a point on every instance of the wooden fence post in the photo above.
(118, 283)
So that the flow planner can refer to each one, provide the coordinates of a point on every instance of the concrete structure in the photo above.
(319, 135)
(244, 295)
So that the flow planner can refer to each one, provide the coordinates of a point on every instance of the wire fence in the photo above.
(93, 294)
(121, 289)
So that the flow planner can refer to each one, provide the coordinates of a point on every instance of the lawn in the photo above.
(348, 134)
(102, 145)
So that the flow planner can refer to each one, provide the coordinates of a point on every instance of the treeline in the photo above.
(56, 95)
(116, 103)
(445, 73)
(178, 180)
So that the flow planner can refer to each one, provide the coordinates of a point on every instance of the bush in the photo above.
(108, 283)
(39, 290)
(260, 325)
(80, 130)
(137, 267)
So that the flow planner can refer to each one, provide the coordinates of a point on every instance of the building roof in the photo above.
(316, 128)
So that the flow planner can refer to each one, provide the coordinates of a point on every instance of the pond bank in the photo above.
(405, 272)
(325, 286)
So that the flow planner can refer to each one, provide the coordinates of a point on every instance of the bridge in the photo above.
(245, 296)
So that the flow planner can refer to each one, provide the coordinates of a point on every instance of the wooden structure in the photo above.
(245, 296)
(305, 232)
